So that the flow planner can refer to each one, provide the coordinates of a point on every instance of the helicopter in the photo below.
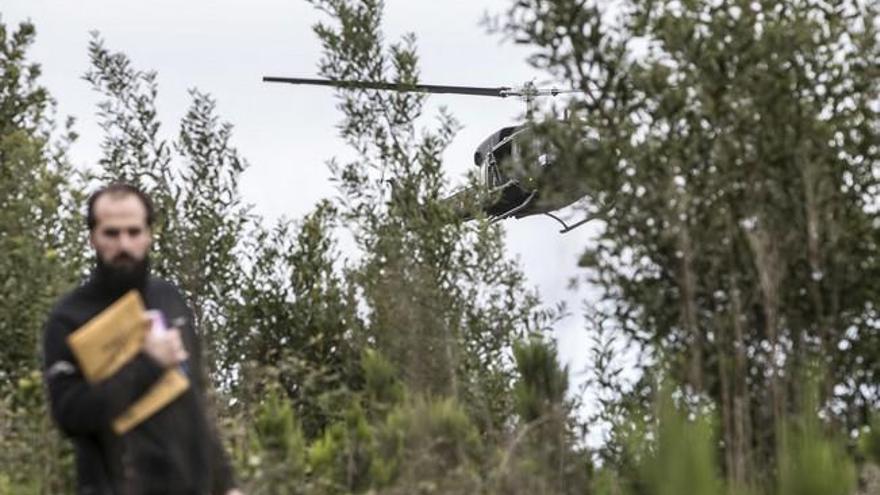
(512, 171)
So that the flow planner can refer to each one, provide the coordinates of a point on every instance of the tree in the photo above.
(737, 141)
(40, 222)
(296, 325)
(440, 298)
(201, 218)
(391, 372)
(543, 456)
(42, 244)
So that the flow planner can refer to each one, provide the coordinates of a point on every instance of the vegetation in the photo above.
(737, 142)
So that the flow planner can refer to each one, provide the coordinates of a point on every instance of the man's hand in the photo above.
(234, 491)
(166, 348)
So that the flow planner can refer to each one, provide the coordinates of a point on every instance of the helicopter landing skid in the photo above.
(516, 209)
(568, 228)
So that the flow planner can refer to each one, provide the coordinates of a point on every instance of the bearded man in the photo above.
(175, 451)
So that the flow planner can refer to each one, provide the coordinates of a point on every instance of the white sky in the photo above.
(286, 132)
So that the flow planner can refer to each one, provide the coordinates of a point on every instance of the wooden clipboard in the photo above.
(109, 341)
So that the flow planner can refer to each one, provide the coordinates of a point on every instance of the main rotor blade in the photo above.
(500, 92)
(554, 92)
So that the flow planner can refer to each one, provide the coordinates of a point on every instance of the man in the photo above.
(175, 451)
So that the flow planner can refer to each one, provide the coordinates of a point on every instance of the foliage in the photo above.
(674, 453)
(540, 455)
(385, 373)
(34, 459)
(200, 215)
(391, 439)
(40, 235)
(737, 142)
(543, 385)
(736, 147)
(683, 458)
(810, 464)
(39, 199)
(279, 441)
(439, 297)
(870, 441)
(297, 323)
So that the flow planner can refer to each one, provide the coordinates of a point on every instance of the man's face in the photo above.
(121, 237)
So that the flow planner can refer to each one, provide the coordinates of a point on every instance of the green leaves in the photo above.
(869, 440)
(541, 455)
(40, 226)
(734, 140)
(542, 383)
(133, 150)
(42, 246)
(809, 464)
(684, 457)
(193, 183)
(277, 456)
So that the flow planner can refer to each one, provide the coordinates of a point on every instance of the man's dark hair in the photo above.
(119, 188)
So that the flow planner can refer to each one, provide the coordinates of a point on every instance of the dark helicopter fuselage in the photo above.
(517, 176)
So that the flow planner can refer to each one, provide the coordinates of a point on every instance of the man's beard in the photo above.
(123, 273)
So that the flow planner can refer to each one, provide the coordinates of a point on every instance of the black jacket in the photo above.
(175, 451)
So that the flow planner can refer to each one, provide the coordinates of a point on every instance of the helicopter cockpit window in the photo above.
(478, 158)
(503, 151)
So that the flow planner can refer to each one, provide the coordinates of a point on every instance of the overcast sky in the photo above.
(287, 133)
